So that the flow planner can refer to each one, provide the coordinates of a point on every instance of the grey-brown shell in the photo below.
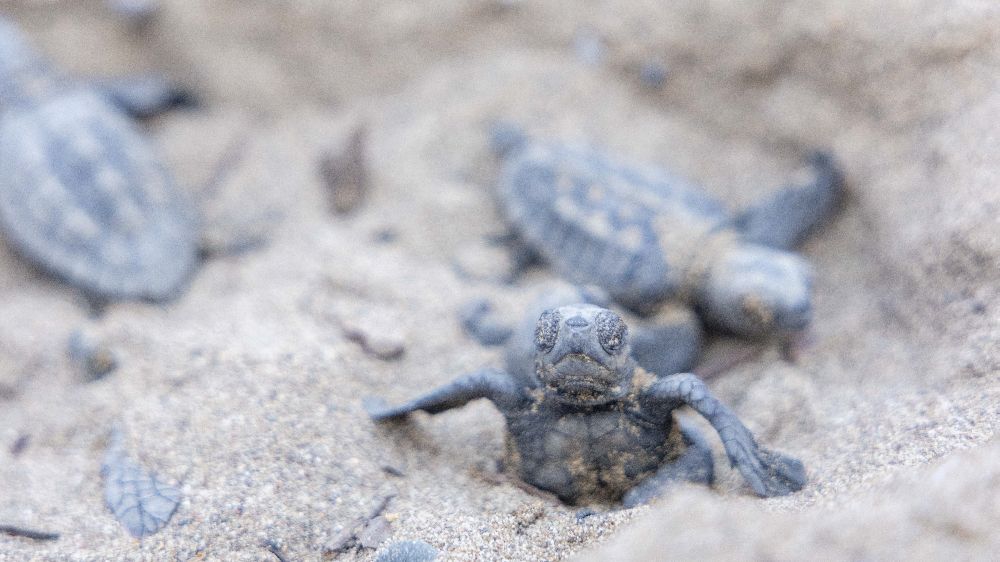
(82, 193)
(84, 196)
(632, 230)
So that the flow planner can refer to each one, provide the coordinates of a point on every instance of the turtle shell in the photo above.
(629, 229)
(84, 196)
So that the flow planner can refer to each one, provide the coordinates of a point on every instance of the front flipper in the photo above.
(769, 473)
(785, 218)
(145, 95)
(493, 384)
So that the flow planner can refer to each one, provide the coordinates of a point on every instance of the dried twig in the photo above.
(349, 538)
(274, 549)
(15, 531)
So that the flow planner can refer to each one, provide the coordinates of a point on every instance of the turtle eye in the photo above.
(611, 331)
(547, 330)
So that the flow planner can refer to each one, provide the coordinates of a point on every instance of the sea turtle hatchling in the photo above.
(82, 193)
(646, 236)
(592, 426)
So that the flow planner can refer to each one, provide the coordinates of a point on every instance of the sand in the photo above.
(246, 392)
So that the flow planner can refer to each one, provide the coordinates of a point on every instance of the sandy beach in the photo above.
(246, 391)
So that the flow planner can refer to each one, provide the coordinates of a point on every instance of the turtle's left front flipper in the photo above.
(786, 217)
(146, 95)
(769, 473)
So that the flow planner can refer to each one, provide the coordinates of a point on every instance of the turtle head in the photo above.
(582, 354)
(757, 291)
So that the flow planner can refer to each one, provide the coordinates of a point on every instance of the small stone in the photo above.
(385, 235)
(93, 354)
(653, 75)
(20, 444)
(585, 513)
(408, 551)
(392, 470)
(345, 173)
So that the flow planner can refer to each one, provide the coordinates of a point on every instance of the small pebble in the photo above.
(92, 354)
(386, 235)
(408, 551)
(392, 471)
(20, 444)
(345, 173)
(653, 75)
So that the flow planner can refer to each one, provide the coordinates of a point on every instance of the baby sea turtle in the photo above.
(82, 193)
(646, 236)
(593, 426)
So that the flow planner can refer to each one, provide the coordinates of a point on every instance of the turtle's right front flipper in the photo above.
(493, 384)
(768, 472)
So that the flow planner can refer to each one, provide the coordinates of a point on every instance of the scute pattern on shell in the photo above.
(84, 196)
(624, 227)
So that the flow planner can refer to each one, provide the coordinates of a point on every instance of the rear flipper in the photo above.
(784, 219)
(694, 465)
(669, 343)
(145, 95)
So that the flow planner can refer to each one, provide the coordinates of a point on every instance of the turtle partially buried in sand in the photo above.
(646, 236)
(591, 425)
(82, 193)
